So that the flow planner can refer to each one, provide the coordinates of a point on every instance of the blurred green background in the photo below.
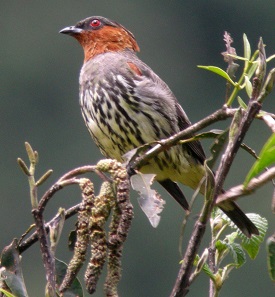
(39, 104)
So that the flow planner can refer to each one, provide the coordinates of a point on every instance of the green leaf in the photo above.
(226, 270)
(235, 250)
(261, 69)
(31, 153)
(209, 182)
(252, 69)
(75, 289)
(266, 158)
(242, 103)
(13, 275)
(6, 293)
(247, 49)
(248, 86)
(237, 254)
(252, 245)
(206, 269)
(270, 58)
(270, 248)
(268, 85)
(222, 250)
(23, 166)
(44, 177)
(56, 226)
(218, 71)
(217, 147)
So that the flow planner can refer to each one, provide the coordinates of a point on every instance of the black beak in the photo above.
(72, 30)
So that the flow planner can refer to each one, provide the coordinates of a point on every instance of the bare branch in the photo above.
(34, 237)
(253, 185)
(270, 122)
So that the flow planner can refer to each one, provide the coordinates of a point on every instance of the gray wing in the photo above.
(153, 87)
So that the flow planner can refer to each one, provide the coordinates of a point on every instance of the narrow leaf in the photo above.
(218, 71)
(252, 69)
(247, 49)
(44, 177)
(268, 85)
(266, 158)
(209, 182)
(30, 152)
(205, 268)
(261, 70)
(248, 86)
(270, 58)
(23, 166)
(36, 156)
(241, 103)
(6, 293)
(270, 247)
(217, 147)
(226, 270)
(56, 227)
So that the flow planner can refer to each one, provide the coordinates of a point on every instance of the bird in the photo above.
(125, 104)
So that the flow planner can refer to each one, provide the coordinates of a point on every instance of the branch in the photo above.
(270, 122)
(182, 284)
(23, 246)
(219, 115)
(254, 184)
(66, 180)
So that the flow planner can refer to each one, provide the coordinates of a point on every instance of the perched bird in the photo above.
(125, 105)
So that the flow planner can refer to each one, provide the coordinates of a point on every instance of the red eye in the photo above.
(95, 23)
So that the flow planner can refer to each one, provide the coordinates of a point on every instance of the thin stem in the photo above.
(48, 259)
(254, 184)
(24, 245)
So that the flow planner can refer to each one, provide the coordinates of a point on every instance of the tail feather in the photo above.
(238, 217)
(230, 208)
(173, 189)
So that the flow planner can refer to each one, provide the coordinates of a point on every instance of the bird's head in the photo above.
(98, 35)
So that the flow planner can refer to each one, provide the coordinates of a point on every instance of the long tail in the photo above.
(174, 190)
(232, 210)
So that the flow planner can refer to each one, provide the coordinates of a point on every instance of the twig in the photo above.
(67, 179)
(219, 115)
(240, 190)
(48, 259)
(270, 122)
(34, 237)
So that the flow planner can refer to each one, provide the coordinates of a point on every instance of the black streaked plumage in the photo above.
(125, 105)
